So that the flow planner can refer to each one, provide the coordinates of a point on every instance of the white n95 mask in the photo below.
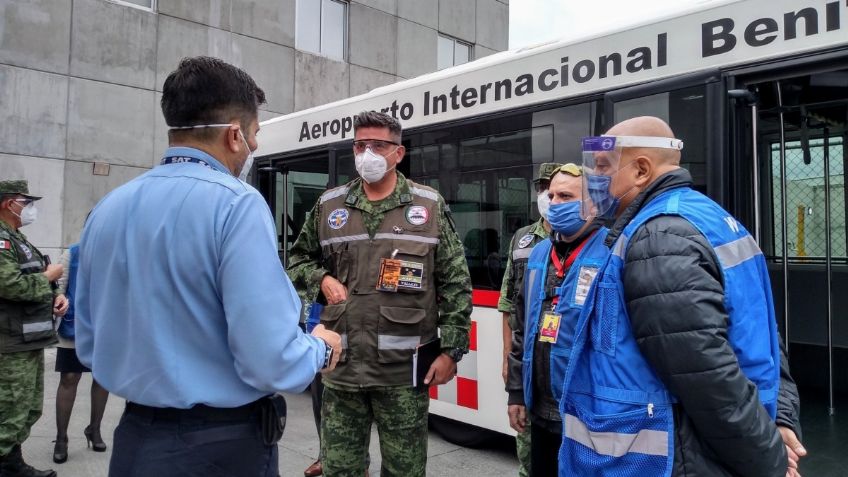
(371, 166)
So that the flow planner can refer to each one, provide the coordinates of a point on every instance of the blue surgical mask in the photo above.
(602, 198)
(565, 218)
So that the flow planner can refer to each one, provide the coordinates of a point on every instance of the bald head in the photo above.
(648, 126)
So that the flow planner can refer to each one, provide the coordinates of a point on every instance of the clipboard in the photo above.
(423, 358)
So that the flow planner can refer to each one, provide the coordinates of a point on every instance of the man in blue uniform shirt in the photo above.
(182, 306)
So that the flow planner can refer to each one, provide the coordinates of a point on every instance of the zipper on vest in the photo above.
(650, 409)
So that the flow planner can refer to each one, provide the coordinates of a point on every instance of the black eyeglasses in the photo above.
(376, 145)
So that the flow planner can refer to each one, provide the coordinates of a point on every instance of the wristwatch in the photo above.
(328, 355)
(455, 354)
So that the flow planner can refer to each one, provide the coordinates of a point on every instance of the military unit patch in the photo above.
(5, 245)
(27, 251)
(417, 215)
(338, 218)
(525, 241)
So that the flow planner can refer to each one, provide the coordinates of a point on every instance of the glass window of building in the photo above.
(322, 27)
(452, 52)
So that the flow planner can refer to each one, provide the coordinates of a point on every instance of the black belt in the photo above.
(197, 412)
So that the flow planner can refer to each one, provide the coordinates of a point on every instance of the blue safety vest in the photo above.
(617, 414)
(572, 295)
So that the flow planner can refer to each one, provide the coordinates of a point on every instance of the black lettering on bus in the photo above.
(506, 87)
(394, 109)
(832, 15)
(440, 99)
(790, 22)
(324, 128)
(454, 96)
(385, 110)
(662, 49)
(756, 29)
(717, 31)
(604, 61)
(483, 89)
(347, 126)
(563, 71)
(316, 131)
(304, 132)
(577, 72)
(544, 85)
(469, 97)
(641, 59)
(335, 127)
(406, 111)
(524, 85)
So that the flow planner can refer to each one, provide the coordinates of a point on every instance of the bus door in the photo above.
(792, 127)
(292, 187)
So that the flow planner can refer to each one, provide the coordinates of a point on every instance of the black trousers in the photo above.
(544, 450)
(148, 446)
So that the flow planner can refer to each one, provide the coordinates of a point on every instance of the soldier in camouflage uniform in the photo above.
(520, 246)
(27, 305)
(383, 254)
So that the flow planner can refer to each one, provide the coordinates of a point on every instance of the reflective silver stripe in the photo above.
(617, 444)
(38, 327)
(411, 238)
(530, 285)
(736, 252)
(347, 238)
(520, 253)
(344, 340)
(332, 194)
(427, 194)
(34, 264)
(397, 342)
(619, 246)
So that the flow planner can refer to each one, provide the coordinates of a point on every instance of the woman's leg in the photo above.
(66, 393)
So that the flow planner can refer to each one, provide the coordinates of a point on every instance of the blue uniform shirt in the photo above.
(181, 299)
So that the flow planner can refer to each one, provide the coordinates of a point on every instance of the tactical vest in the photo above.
(572, 296)
(380, 329)
(522, 243)
(618, 416)
(26, 325)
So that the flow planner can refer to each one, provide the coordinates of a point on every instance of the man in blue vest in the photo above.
(558, 276)
(676, 368)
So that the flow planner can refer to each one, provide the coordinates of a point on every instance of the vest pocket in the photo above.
(398, 333)
(331, 318)
(604, 327)
(414, 273)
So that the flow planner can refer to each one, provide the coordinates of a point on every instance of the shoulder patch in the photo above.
(5, 245)
(417, 215)
(338, 218)
(525, 241)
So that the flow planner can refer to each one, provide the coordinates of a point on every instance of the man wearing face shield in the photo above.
(27, 305)
(677, 361)
(520, 245)
(560, 271)
(381, 252)
(182, 305)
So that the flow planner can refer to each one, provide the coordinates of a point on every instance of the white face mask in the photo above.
(371, 166)
(543, 203)
(248, 163)
(29, 214)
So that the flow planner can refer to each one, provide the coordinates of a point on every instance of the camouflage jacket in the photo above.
(453, 282)
(513, 277)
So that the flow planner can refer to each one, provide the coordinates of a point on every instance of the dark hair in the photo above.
(374, 119)
(206, 90)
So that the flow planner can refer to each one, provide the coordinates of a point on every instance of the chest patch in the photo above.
(338, 218)
(27, 251)
(417, 215)
(525, 241)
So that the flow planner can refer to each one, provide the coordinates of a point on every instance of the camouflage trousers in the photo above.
(522, 448)
(401, 417)
(21, 396)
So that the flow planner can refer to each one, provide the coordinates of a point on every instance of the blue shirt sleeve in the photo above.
(262, 309)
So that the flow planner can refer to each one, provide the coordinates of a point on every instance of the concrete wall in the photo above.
(81, 80)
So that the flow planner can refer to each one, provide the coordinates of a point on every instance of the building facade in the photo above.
(81, 80)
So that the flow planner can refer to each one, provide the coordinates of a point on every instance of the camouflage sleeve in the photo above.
(508, 284)
(453, 284)
(17, 287)
(305, 265)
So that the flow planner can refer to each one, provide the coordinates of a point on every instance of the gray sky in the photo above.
(537, 21)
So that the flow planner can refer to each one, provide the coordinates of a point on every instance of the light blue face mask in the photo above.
(565, 218)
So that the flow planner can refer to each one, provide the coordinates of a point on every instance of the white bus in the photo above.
(757, 89)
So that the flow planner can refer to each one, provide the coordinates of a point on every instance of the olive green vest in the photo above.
(25, 325)
(522, 244)
(380, 329)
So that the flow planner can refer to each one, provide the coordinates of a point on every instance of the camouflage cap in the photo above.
(16, 187)
(546, 170)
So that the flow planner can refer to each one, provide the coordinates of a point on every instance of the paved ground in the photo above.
(298, 449)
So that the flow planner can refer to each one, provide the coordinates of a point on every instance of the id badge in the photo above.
(550, 327)
(389, 275)
(411, 274)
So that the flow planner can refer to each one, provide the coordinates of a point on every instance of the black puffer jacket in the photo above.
(721, 429)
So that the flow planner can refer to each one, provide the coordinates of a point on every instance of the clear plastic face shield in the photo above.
(602, 162)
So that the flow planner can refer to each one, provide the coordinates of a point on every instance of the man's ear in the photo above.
(644, 171)
(233, 139)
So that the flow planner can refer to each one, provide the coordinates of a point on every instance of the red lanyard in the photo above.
(561, 267)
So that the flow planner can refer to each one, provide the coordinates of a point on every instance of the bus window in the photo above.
(685, 110)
